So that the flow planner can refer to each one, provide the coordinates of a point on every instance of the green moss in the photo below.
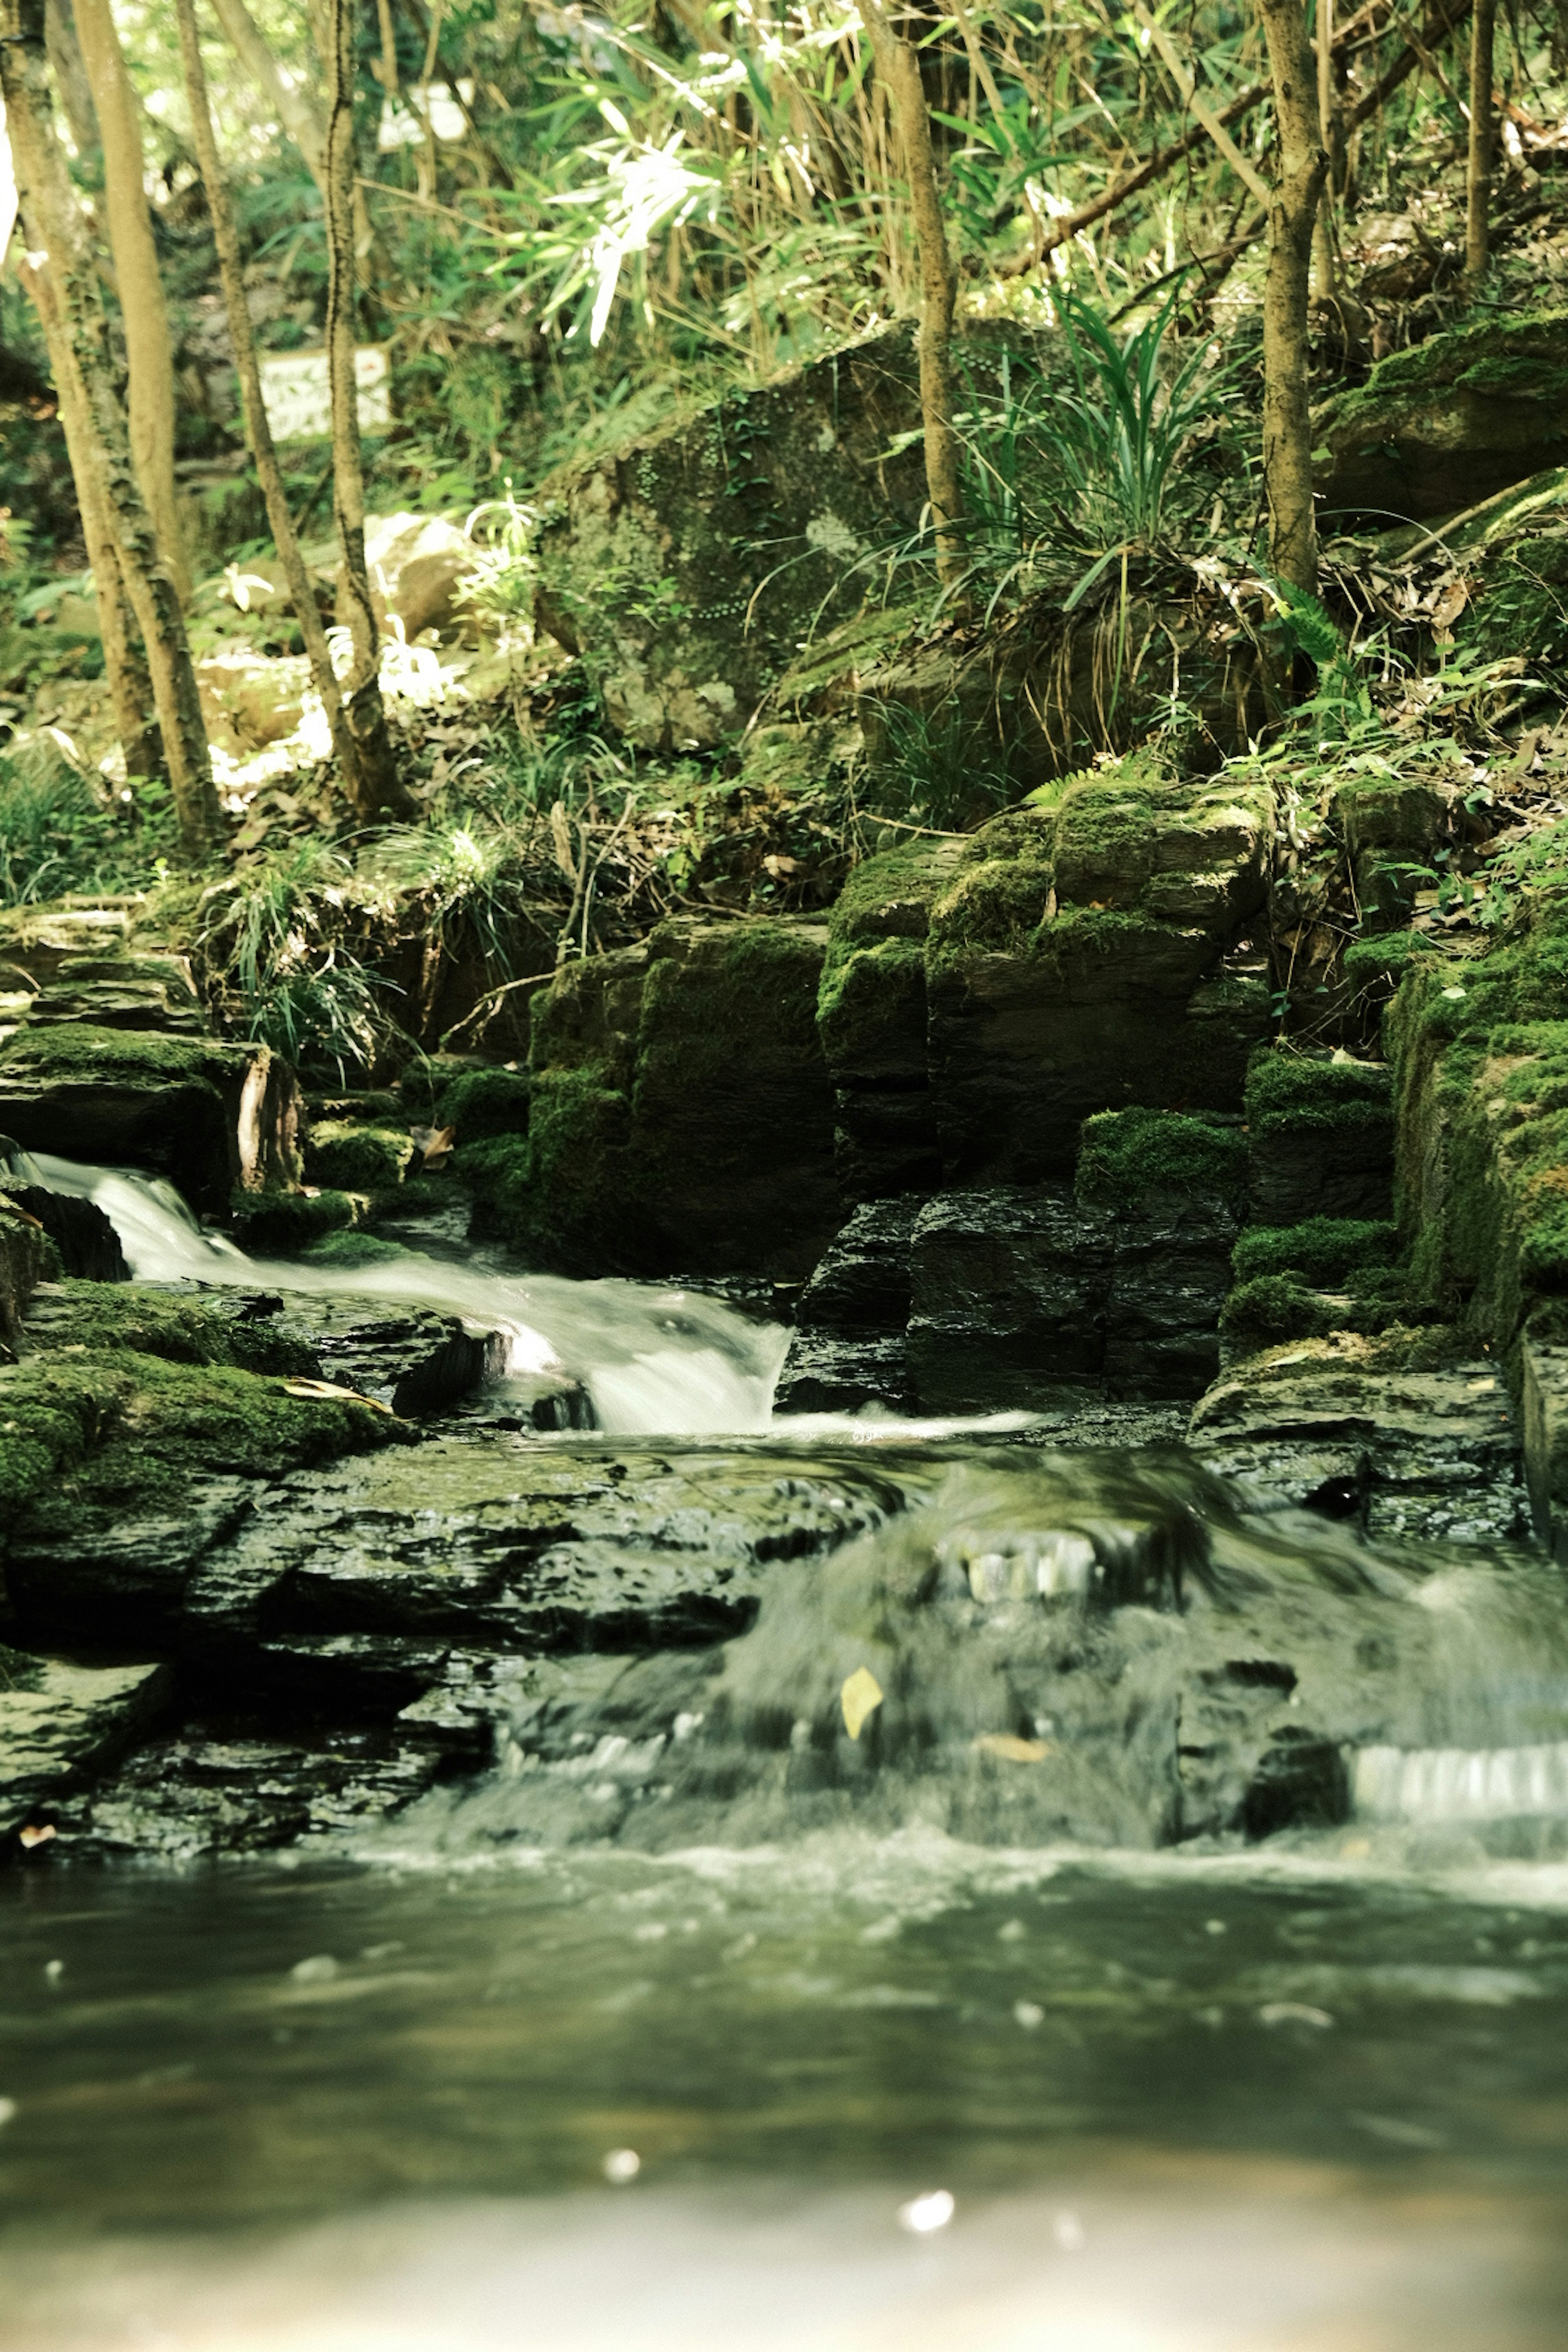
(1289, 1094)
(890, 896)
(128, 1431)
(1135, 1159)
(562, 1190)
(352, 1247)
(1323, 1252)
(81, 1051)
(284, 1222)
(998, 894)
(126, 1317)
(356, 1159)
(1519, 358)
(481, 1103)
(1385, 957)
(1272, 1307)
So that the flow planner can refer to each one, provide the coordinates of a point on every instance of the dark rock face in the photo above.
(125, 991)
(1442, 426)
(60, 1723)
(687, 568)
(1023, 1298)
(1319, 1139)
(211, 1117)
(849, 1348)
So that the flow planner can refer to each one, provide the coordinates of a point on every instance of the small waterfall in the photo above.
(656, 1362)
(1458, 1784)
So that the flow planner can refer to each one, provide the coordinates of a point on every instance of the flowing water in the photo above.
(819, 2064)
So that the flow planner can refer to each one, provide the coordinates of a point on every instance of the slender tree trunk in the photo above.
(379, 791)
(900, 70)
(143, 307)
(259, 433)
(130, 689)
(53, 229)
(71, 83)
(1325, 277)
(1478, 223)
(1293, 205)
(295, 109)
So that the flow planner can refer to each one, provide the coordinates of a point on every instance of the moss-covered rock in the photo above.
(680, 1114)
(1321, 1252)
(120, 1434)
(481, 1103)
(209, 1115)
(1143, 1160)
(281, 1222)
(26, 1258)
(1091, 952)
(687, 568)
(1447, 423)
(1321, 1136)
(132, 1318)
(350, 1246)
(350, 1158)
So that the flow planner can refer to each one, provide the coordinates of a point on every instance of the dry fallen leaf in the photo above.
(1450, 605)
(36, 1833)
(433, 1145)
(303, 1387)
(1012, 1751)
(860, 1697)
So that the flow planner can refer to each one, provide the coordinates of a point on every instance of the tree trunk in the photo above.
(130, 689)
(295, 110)
(142, 308)
(899, 67)
(73, 85)
(259, 433)
(53, 229)
(1325, 277)
(1478, 189)
(1293, 205)
(380, 793)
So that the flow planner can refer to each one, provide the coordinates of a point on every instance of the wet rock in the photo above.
(849, 1348)
(1438, 428)
(681, 1116)
(1543, 1411)
(687, 568)
(1023, 1298)
(62, 1722)
(85, 1243)
(411, 1358)
(486, 1542)
(1340, 1427)
(225, 1792)
(211, 1117)
(1302, 1782)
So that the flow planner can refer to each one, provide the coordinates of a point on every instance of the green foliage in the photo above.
(483, 1103)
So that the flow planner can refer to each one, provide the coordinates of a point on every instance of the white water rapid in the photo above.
(654, 1360)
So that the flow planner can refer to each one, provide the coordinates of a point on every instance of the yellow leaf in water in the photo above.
(303, 1387)
(860, 1697)
(1011, 1751)
(35, 1833)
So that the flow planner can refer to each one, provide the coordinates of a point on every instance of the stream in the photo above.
(737, 2034)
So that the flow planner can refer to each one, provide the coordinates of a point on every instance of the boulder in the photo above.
(850, 1347)
(417, 563)
(250, 700)
(681, 1116)
(1446, 424)
(213, 1118)
(686, 568)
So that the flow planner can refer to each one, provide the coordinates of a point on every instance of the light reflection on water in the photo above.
(1299, 2110)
